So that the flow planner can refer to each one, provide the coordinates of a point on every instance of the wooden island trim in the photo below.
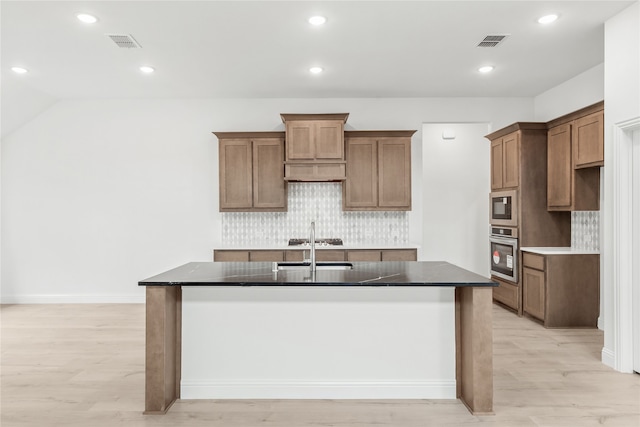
(474, 348)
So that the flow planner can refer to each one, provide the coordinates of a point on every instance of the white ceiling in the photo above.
(256, 49)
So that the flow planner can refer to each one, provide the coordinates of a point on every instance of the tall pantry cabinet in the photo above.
(519, 162)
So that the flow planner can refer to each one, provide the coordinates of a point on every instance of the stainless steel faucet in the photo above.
(312, 242)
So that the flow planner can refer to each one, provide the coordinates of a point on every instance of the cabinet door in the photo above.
(533, 292)
(269, 188)
(559, 168)
(394, 173)
(235, 174)
(511, 161)
(588, 141)
(361, 185)
(328, 138)
(300, 140)
(496, 164)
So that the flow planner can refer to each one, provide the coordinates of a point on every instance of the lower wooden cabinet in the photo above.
(561, 290)
(508, 294)
(321, 255)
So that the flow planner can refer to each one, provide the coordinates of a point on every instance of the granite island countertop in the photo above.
(409, 273)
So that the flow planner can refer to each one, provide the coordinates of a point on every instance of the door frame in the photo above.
(623, 251)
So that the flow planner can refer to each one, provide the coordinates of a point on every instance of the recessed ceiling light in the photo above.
(486, 69)
(317, 20)
(547, 19)
(146, 69)
(316, 70)
(19, 70)
(86, 18)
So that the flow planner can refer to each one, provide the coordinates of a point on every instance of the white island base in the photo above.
(318, 343)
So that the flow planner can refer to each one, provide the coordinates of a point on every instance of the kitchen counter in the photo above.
(347, 246)
(434, 273)
(472, 313)
(558, 251)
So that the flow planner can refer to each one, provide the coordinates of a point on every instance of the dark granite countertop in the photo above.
(420, 273)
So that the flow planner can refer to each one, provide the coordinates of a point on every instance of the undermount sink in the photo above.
(277, 266)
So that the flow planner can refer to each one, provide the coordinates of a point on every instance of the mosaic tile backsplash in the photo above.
(321, 202)
(585, 230)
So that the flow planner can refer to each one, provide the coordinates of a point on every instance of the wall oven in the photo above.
(504, 208)
(503, 243)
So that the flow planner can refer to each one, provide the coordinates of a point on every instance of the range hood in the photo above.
(314, 147)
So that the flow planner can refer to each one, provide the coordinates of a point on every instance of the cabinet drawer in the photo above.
(506, 293)
(399, 255)
(266, 256)
(329, 255)
(363, 255)
(294, 255)
(532, 261)
(231, 256)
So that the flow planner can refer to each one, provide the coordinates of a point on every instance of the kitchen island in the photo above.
(473, 328)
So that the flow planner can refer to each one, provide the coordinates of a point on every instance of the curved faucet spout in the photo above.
(312, 242)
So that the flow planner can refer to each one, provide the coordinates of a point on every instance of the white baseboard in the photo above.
(317, 390)
(608, 358)
(72, 299)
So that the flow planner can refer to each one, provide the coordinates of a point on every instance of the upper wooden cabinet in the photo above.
(314, 147)
(588, 141)
(575, 145)
(519, 162)
(251, 171)
(505, 161)
(378, 170)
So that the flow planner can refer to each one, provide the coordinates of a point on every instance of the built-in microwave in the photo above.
(504, 208)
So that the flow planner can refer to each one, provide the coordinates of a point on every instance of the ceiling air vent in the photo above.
(124, 40)
(492, 40)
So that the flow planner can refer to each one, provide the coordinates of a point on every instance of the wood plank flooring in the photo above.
(83, 365)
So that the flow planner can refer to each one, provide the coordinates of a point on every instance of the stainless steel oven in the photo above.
(504, 208)
(503, 243)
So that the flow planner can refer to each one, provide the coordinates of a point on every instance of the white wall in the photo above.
(98, 194)
(455, 190)
(622, 103)
(318, 343)
(584, 89)
(32, 102)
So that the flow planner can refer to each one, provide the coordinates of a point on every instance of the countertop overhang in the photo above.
(232, 274)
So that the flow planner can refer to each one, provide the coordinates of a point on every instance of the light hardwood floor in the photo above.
(83, 365)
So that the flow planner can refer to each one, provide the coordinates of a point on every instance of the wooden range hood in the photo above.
(314, 147)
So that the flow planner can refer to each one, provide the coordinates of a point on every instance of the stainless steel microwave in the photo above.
(504, 208)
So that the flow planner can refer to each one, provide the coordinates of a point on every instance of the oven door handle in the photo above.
(505, 240)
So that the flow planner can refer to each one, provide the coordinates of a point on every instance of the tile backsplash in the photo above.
(585, 230)
(321, 202)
